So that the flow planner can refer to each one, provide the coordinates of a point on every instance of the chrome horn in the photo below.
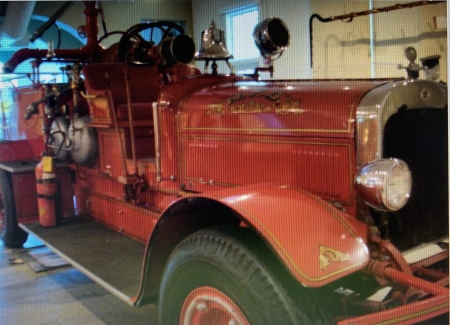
(271, 37)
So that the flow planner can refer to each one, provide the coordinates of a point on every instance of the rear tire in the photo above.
(12, 235)
(217, 275)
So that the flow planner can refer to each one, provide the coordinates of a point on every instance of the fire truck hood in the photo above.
(312, 108)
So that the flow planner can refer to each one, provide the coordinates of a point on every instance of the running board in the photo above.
(107, 257)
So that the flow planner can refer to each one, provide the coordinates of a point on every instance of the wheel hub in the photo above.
(207, 305)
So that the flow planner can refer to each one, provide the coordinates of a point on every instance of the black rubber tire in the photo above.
(12, 235)
(229, 259)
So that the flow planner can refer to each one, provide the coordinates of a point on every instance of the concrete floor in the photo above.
(67, 297)
(60, 297)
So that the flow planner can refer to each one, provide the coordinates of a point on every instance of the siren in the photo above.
(171, 49)
(178, 49)
(271, 37)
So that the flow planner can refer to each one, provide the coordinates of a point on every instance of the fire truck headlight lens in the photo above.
(385, 184)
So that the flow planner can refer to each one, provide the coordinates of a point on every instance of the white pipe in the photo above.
(15, 22)
(372, 41)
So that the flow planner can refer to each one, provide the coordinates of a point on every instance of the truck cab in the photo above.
(226, 197)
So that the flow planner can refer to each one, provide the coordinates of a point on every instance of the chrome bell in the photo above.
(213, 45)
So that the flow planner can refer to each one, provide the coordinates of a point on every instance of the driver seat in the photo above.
(144, 88)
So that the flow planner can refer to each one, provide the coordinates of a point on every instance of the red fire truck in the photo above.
(226, 199)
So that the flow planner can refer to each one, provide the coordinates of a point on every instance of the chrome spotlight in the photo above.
(271, 37)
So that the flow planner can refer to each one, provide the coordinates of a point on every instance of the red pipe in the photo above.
(86, 53)
(408, 313)
(412, 281)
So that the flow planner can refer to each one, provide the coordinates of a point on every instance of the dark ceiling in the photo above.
(3, 5)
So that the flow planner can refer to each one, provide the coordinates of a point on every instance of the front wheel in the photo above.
(221, 276)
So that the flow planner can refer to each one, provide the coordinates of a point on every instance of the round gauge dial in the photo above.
(411, 54)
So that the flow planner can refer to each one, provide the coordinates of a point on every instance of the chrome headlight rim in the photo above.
(385, 184)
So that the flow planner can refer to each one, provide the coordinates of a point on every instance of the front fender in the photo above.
(317, 242)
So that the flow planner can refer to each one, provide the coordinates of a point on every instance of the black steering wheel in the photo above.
(117, 32)
(134, 47)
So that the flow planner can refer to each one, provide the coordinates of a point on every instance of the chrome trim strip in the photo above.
(156, 127)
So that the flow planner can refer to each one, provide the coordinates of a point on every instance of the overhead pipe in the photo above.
(15, 23)
(51, 21)
(349, 17)
(86, 53)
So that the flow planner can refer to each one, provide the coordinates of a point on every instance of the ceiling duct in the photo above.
(15, 22)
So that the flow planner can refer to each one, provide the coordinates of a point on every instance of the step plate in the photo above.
(107, 257)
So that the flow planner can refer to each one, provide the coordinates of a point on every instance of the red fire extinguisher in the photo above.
(47, 192)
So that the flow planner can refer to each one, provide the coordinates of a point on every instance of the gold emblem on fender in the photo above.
(328, 255)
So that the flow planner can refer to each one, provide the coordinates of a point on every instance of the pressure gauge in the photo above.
(411, 54)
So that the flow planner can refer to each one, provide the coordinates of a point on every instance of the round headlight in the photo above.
(385, 184)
